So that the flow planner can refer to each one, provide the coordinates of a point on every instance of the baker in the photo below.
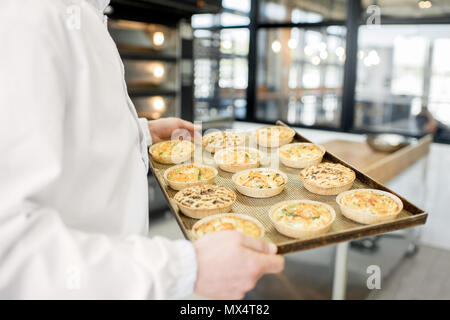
(73, 174)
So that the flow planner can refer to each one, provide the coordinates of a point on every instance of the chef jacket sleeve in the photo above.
(143, 122)
(40, 257)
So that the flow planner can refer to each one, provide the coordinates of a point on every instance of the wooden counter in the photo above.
(380, 166)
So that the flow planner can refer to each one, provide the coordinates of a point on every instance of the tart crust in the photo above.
(331, 170)
(173, 158)
(229, 167)
(297, 163)
(204, 196)
(298, 232)
(255, 192)
(272, 143)
(226, 215)
(229, 139)
(177, 185)
(365, 217)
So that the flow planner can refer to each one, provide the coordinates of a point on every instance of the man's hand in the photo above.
(230, 263)
(162, 129)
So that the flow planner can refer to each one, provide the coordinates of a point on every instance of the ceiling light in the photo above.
(158, 38)
(158, 104)
(425, 4)
(227, 44)
(340, 51)
(315, 60)
(158, 70)
(276, 46)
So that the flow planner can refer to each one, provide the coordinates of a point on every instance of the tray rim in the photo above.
(418, 217)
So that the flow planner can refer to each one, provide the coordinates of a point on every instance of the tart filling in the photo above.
(261, 179)
(301, 151)
(304, 215)
(175, 150)
(205, 197)
(328, 175)
(238, 156)
(190, 173)
(370, 201)
(274, 135)
(274, 131)
(222, 222)
(223, 139)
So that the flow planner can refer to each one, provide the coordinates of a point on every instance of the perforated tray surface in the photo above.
(342, 229)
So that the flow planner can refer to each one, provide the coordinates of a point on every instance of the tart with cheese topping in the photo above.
(172, 151)
(327, 178)
(302, 218)
(212, 142)
(205, 200)
(237, 159)
(260, 183)
(187, 175)
(369, 206)
(274, 136)
(301, 155)
(228, 221)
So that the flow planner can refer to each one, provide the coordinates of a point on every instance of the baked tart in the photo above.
(214, 141)
(228, 221)
(302, 218)
(260, 183)
(188, 175)
(273, 136)
(238, 158)
(301, 155)
(172, 151)
(327, 178)
(201, 201)
(369, 206)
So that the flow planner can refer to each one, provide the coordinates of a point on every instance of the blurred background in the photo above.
(336, 70)
(351, 66)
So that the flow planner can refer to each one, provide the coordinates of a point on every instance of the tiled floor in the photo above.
(422, 276)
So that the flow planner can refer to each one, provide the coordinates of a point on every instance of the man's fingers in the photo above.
(271, 263)
(193, 129)
(259, 245)
(187, 125)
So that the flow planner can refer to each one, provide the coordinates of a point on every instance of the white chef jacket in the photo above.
(73, 164)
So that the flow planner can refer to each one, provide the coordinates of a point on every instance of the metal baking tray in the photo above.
(342, 229)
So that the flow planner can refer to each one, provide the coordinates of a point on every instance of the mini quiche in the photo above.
(201, 201)
(228, 221)
(369, 206)
(212, 142)
(260, 183)
(172, 151)
(188, 175)
(302, 218)
(301, 155)
(237, 159)
(273, 136)
(327, 178)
